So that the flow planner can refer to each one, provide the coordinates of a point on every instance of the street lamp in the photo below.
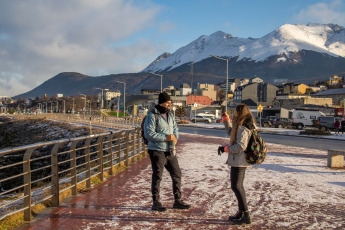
(161, 79)
(85, 103)
(227, 76)
(73, 100)
(124, 97)
(46, 106)
(102, 105)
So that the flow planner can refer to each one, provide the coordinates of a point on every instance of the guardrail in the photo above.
(39, 172)
(110, 122)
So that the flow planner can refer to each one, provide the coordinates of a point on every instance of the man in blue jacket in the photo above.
(161, 133)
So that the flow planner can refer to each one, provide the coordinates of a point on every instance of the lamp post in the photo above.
(73, 100)
(161, 79)
(85, 103)
(46, 106)
(124, 97)
(64, 106)
(227, 76)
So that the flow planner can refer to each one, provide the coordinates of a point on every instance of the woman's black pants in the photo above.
(236, 178)
(159, 161)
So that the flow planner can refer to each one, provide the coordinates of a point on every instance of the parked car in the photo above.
(327, 123)
(265, 121)
(201, 119)
(283, 123)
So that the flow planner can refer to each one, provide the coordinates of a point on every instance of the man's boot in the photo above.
(180, 204)
(244, 219)
(157, 206)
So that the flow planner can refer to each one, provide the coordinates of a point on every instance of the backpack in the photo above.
(142, 126)
(256, 151)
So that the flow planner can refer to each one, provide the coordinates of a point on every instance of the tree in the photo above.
(309, 91)
(181, 112)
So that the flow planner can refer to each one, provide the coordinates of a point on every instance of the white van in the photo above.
(302, 118)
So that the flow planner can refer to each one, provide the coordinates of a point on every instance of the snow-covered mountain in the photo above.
(281, 44)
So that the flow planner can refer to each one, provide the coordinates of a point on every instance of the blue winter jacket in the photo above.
(157, 138)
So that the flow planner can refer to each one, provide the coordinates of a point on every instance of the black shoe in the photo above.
(244, 219)
(236, 216)
(179, 204)
(157, 206)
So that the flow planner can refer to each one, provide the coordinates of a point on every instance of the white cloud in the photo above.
(333, 12)
(41, 38)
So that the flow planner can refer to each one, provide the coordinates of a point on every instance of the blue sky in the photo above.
(42, 38)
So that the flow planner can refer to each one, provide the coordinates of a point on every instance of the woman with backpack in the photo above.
(240, 132)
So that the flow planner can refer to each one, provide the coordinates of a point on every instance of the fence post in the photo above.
(73, 157)
(118, 141)
(55, 175)
(100, 157)
(87, 161)
(127, 133)
(110, 149)
(27, 182)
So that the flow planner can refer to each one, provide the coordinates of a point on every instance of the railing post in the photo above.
(73, 157)
(87, 161)
(100, 157)
(55, 176)
(118, 141)
(110, 150)
(127, 148)
(27, 182)
(137, 141)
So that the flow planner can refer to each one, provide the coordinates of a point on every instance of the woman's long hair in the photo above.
(242, 114)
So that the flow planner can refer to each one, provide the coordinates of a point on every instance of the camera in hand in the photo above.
(220, 150)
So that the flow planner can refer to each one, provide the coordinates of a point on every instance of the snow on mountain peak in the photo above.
(322, 38)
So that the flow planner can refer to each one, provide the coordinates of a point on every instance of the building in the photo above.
(150, 91)
(292, 88)
(334, 80)
(232, 84)
(207, 90)
(336, 94)
(200, 100)
(256, 80)
(185, 89)
(294, 100)
(107, 97)
(316, 89)
(172, 91)
(254, 94)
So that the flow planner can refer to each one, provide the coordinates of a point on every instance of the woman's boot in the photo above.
(236, 216)
(244, 219)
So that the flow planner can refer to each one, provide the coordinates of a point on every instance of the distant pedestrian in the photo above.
(343, 126)
(162, 134)
(240, 132)
(337, 126)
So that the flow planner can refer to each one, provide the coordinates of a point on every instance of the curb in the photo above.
(272, 133)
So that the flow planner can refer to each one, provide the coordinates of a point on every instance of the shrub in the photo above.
(183, 122)
(315, 132)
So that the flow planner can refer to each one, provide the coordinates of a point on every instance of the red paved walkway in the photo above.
(119, 204)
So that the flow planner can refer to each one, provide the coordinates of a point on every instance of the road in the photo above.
(298, 141)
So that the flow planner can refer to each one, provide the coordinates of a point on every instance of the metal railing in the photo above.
(32, 174)
(110, 122)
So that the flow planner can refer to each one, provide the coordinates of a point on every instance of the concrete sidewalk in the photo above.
(292, 189)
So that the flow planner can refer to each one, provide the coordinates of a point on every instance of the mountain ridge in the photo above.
(322, 38)
(285, 53)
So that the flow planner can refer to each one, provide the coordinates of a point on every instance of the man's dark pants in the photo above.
(159, 161)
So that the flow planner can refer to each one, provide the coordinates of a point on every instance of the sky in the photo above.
(42, 38)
